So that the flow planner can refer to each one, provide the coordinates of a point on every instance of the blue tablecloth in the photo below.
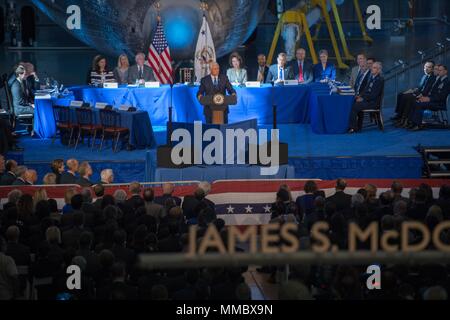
(330, 114)
(213, 173)
(141, 132)
(295, 104)
(292, 102)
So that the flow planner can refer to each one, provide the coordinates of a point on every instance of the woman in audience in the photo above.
(100, 73)
(121, 71)
(39, 195)
(236, 74)
(58, 168)
(324, 70)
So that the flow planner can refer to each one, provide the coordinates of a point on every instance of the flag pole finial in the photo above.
(204, 6)
(158, 10)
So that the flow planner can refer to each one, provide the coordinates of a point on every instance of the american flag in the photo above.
(159, 56)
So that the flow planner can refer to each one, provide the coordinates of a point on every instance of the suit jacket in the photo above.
(8, 179)
(83, 182)
(155, 210)
(425, 85)
(133, 74)
(71, 236)
(353, 76)
(20, 182)
(207, 87)
(162, 199)
(135, 202)
(342, 200)
(20, 99)
(254, 76)
(240, 77)
(373, 90)
(307, 71)
(67, 178)
(19, 252)
(272, 75)
(440, 92)
(363, 85)
(321, 74)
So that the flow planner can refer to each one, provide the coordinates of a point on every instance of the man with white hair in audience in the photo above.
(206, 187)
(69, 177)
(120, 196)
(13, 197)
(168, 189)
(107, 176)
(85, 171)
(21, 176)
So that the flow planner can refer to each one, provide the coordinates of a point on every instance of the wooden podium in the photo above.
(218, 104)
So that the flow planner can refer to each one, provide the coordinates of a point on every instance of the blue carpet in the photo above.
(370, 154)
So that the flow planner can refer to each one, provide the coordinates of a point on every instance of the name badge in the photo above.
(290, 82)
(110, 85)
(76, 103)
(253, 84)
(100, 105)
(152, 84)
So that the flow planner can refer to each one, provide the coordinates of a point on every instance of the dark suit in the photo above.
(67, 178)
(83, 182)
(306, 68)
(438, 100)
(273, 73)
(424, 89)
(207, 88)
(254, 76)
(134, 74)
(21, 182)
(71, 237)
(135, 202)
(162, 199)
(8, 179)
(371, 100)
(361, 82)
(321, 74)
(20, 99)
(19, 252)
(341, 200)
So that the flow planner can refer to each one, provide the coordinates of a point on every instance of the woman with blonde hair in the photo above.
(39, 195)
(121, 71)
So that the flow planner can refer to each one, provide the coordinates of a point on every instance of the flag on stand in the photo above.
(205, 53)
(159, 57)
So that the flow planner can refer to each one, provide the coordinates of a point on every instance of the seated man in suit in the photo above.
(362, 79)
(369, 99)
(424, 88)
(436, 100)
(361, 61)
(263, 69)
(20, 100)
(301, 68)
(213, 84)
(280, 72)
(140, 72)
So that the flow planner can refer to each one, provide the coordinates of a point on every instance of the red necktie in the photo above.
(300, 72)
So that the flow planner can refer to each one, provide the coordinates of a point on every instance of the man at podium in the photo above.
(212, 94)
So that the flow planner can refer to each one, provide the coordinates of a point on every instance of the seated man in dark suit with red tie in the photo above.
(435, 101)
(302, 69)
(369, 99)
(213, 84)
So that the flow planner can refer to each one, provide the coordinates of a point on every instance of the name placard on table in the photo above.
(152, 84)
(110, 85)
(101, 105)
(253, 84)
(76, 103)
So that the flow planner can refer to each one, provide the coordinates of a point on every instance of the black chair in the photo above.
(63, 122)
(440, 116)
(86, 125)
(23, 119)
(376, 114)
(111, 127)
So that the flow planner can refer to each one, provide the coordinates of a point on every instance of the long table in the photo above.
(302, 104)
(138, 122)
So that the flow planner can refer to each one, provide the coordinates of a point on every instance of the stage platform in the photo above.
(370, 154)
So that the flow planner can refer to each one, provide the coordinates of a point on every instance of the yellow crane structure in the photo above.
(298, 17)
